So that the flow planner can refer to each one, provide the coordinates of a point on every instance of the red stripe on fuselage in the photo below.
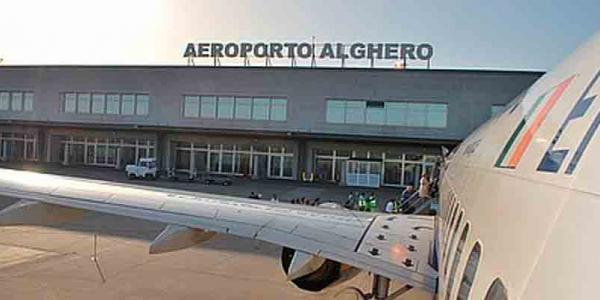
(541, 116)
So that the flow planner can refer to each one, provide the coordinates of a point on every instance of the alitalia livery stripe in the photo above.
(517, 131)
(539, 119)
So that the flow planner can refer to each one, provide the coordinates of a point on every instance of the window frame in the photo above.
(457, 257)
(204, 113)
(93, 103)
(462, 287)
(503, 290)
(229, 113)
(6, 100)
(107, 100)
(28, 107)
(123, 97)
(275, 109)
(187, 103)
(19, 100)
(236, 111)
(80, 97)
(142, 98)
(267, 109)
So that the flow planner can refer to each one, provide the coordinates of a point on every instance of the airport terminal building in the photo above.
(362, 127)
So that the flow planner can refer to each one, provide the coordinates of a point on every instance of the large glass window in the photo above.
(98, 103)
(191, 106)
(436, 115)
(127, 104)
(208, 107)
(375, 112)
(226, 108)
(395, 113)
(83, 103)
(16, 101)
(260, 109)
(355, 112)
(4, 100)
(112, 104)
(336, 111)
(142, 105)
(416, 115)
(469, 273)
(278, 109)
(70, 102)
(243, 108)
(457, 255)
(497, 291)
(28, 102)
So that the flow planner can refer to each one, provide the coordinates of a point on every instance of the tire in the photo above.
(131, 176)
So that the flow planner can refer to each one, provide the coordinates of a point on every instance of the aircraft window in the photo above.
(469, 273)
(457, 254)
(497, 291)
(451, 241)
(449, 223)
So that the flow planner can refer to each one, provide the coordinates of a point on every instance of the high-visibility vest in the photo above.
(371, 203)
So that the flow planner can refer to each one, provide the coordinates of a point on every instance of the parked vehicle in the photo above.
(219, 179)
(173, 175)
(144, 169)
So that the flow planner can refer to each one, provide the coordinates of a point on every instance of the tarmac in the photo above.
(106, 257)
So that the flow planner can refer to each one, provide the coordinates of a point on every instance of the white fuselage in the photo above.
(526, 185)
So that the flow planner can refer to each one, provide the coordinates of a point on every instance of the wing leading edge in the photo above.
(392, 246)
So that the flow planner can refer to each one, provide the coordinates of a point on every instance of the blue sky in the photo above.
(505, 34)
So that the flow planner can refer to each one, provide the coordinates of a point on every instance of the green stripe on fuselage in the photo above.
(509, 144)
(517, 131)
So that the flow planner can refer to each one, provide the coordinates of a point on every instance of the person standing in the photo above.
(424, 186)
(372, 203)
(390, 206)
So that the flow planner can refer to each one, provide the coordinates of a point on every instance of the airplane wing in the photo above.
(393, 246)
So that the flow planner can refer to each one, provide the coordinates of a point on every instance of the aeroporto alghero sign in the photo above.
(357, 51)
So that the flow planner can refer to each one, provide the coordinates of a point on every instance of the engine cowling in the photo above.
(327, 274)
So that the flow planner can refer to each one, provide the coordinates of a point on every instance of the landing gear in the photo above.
(381, 287)
(380, 291)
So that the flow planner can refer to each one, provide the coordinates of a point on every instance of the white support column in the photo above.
(85, 151)
(251, 170)
(269, 161)
(192, 159)
(118, 158)
(34, 149)
(382, 169)
(137, 150)
(66, 152)
(48, 147)
(208, 157)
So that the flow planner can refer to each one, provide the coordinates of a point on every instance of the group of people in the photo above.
(306, 201)
(254, 195)
(361, 201)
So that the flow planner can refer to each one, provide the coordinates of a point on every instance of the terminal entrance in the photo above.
(17, 147)
(363, 173)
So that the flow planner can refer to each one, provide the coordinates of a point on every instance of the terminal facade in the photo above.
(362, 127)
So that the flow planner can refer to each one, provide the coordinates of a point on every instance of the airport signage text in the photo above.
(371, 51)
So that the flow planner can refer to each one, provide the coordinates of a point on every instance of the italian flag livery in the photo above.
(520, 139)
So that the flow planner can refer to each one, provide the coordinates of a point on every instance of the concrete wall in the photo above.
(469, 95)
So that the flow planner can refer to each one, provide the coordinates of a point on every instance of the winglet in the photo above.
(175, 237)
(27, 212)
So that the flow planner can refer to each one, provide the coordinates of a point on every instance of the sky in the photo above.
(491, 34)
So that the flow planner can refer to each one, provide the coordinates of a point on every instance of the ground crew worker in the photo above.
(372, 203)
(362, 203)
